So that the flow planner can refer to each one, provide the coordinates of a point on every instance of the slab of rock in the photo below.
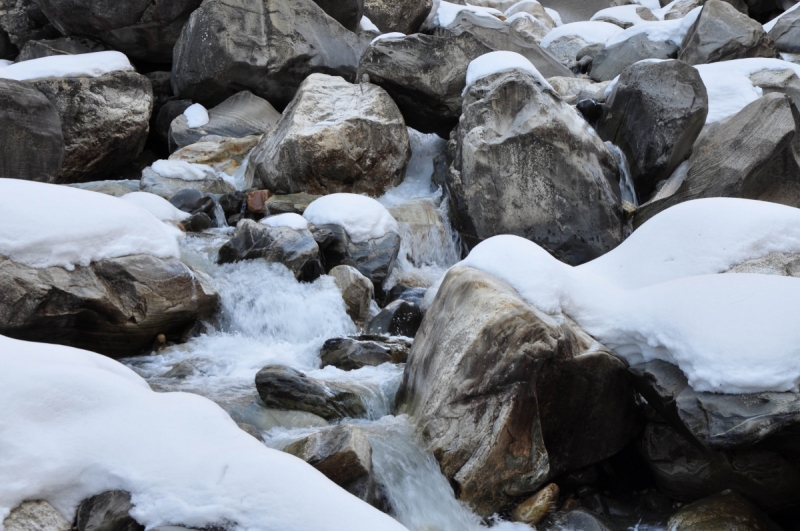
(352, 353)
(402, 16)
(373, 258)
(22, 20)
(106, 512)
(296, 249)
(508, 397)
(357, 291)
(786, 32)
(243, 114)
(225, 155)
(168, 185)
(726, 511)
(722, 33)
(59, 46)
(748, 155)
(289, 389)
(614, 59)
(334, 137)
(31, 142)
(517, 145)
(35, 516)
(115, 307)
(105, 122)
(290, 203)
(268, 47)
(654, 115)
(399, 318)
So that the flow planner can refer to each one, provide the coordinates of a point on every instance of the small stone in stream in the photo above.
(198, 222)
(251, 430)
(290, 203)
(373, 258)
(400, 318)
(357, 291)
(537, 507)
(343, 454)
(107, 512)
(232, 203)
(193, 201)
(351, 353)
(257, 200)
(407, 293)
(289, 389)
(726, 511)
(35, 516)
(579, 519)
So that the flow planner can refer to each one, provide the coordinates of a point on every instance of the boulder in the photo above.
(518, 144)
(115, 307)
(167, 181)
(224, 155)
(106, 512)
(357, 291)
(334, 137)
(22, 20)
(683, 7)
(614, 59)
(59, 46)
(722, 33)
(426, 74)
(35, 516)
(268, 47)
(373, 258)
(399, 318)
(290, 203)
(296, 249)
(105, 122)
(537, 507)
(343, 454)
(289, 389)
(786, 32)
(566, 48)
(507, 397)
(403, 16)
(624, 22)
(31, 142)
(138, 28)
(748, 155)
(726, 511)
(168, 112)
(654, 115)
(352, 353)
(193, 201)
(570, 87)
(348, 13)
(243, 114)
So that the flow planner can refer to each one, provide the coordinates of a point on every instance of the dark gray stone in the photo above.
(31, 142)
(107, 512)
(348, 13)
(726, 511)
(22, 20)
(399, 318)
(198, 222)
(266, 46)
(193, 201)
(786, 32)
(289, 389)
(518, 144)
(654, 115)
(7, 49)
(614, 59)
(60, 46)
(403, 16)
(373, 258)
(722, 33)
(168, 112)
(351, 353)
(406, 293)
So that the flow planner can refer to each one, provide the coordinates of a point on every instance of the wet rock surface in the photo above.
(352, 353)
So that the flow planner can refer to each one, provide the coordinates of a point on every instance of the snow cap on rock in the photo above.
(495, 62)
(83, 65)
(362, 217)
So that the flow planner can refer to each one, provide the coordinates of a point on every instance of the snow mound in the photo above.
(362, 217)
(660, 31)
(181, 456)
(290, 220)
(391, 35)
(156, 205)
(447, 13)
(659, 295)
(180, 169)
(196, 116)
(45, 225)
(592, 32)
(367, 25)
(555, 15)
(494, 62)
(84, 65)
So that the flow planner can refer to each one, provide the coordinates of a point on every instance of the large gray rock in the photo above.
(343, 454)
(225, 155)
(22, 20)
(399, 318)
(334, 137)
(508, 397)
(107, 512)
(748, 155)
(352, 353)
(722, 33)
(357, 291)
(35, 516)
(426, 74)
(289, 389)
(348, 13)
(31, 142)
(373, 258)
(142, 29)
(654, 115)
(403, 16)
(243, 114)
(60, 46)
(296, 249)
(105, 121)
(613, 60)
(116, 307)
(266, 46)
(519, 145)
(726, 511)
(786, 32)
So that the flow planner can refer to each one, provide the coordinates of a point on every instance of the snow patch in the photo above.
(156, 205)
(392, 35)
(555, 15)
(592, 32)
(495, 62)
(180, 169)
(362, 217)
(660, 31)
(290, 220)
(196, 116)
(84, 65)
(367, 25)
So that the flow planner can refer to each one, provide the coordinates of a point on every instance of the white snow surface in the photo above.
(290, 220)
(555, 15)
(180, 169)
(4, 63)
(391, 35)
(76, 424)
(494, 62)
(196, 116)
(156, 205)
(447, 12)
(367, 25)
(83, 65)
(45, 225)
(592, 32)
(771, 24)
(362, 217)
(659, 295)
(625, 13)
(661, 30)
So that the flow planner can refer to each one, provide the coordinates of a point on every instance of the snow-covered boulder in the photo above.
(404, 16)
(243, 114)
(31, 142)
(335, 136)
(179, 455)
(105, 275)
(157, 206)
(508, 396)
(168, 177)
(398, 318)
(564, 168)
(625, 16)
(565, 41)
(654, 115)
(223, 155)
(722, 33)
(268, 47)
(134, 27)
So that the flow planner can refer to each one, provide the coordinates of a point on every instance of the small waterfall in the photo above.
(627, 190)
